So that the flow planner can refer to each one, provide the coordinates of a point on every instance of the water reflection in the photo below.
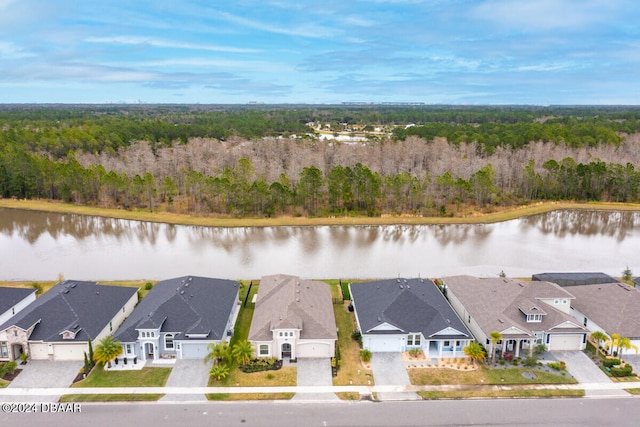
(38, 245)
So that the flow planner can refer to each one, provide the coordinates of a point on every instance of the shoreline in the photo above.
(205, 221)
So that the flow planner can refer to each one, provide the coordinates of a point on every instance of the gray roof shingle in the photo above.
(572, 279)
(411, 305)
(287, 302)
(613, 306)
(84, 308)
(185, 305)
(11, 296)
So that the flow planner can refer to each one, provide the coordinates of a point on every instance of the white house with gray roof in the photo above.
(613, 308)
(179, 318)
(293, 318)
(401, 314)
(525, 313)
(59, 324)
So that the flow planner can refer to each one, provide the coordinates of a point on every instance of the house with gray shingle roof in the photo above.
(59, 324)
(179, 318)
(293, 318)
(574, 278)
(12, 301)
(525, 313)
(608, 307)
(396, 315)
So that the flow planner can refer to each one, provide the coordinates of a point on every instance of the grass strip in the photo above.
(465, 394)
(469, 216)
(130, 397)
(146, 377)
(250, 396)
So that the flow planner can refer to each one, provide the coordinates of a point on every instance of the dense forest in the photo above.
(318, 160)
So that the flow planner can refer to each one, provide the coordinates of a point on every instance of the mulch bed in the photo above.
(11, 377)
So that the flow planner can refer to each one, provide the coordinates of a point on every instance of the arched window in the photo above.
(168, 341)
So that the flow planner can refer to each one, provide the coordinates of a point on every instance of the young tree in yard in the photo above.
(242, 352)
(624, 343)
(474, 351)
(495, 337)
(107, 350)
(599, 337)
(218, 353)
(219, 372)
(613, 343)
(627, 276)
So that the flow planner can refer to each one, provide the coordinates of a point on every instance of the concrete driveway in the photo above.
(188, 373)
(45, 374)
(390, 369)
(581, 367)
(633, 360)
(314, 372)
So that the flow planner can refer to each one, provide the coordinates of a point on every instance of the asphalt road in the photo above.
(501, 412)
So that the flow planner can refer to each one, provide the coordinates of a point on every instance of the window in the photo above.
(128, 347)
(469, 320)
(280, 334)
(457, 343)
(584, 322)
(168, 341)
(13, 310)
(110, 327)
(447, 343)
(4, 351)
(416, 340)
(564, 301)
(409, 339)
(264, 349)
(413, 340)
(556, 302)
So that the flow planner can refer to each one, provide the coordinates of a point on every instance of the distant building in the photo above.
(573, 279)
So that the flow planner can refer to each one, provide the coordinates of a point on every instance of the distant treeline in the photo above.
(227, 160)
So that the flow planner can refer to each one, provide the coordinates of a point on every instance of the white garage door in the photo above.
(383, 343)
(316, 349)
(565, 342)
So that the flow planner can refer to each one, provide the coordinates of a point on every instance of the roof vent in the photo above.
(74, 284)
(408, 287)
(97, 292)
(379, 319)
(181, 292)
(186, 285)
(401, 287)
(398, 280)
(66, 291)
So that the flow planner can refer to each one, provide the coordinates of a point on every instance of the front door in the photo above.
(148, 350)
(286, 350)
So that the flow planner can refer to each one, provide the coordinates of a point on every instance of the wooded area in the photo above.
(270, 160)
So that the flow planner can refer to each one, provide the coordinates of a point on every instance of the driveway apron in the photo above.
(390, 369)
(44, 374)
(188, 373)
(314, 372)
(584, 370)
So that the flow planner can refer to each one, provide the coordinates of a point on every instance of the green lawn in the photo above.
(250, 396)
(146, 377)
(110, 397)
(465, 394)
(351, 370)
(3, 383)
(484, 375)
(632, 390)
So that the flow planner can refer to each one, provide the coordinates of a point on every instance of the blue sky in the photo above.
(281, 51)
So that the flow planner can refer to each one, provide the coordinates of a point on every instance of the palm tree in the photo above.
(495, 337)
(219, 372)
(474, 351)
(242, 352)
(599, 337)
(613, 343)
(624, 343)
(218, 352)
(107, 350)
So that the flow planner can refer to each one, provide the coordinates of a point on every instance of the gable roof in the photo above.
(573, 279)
(82, 308)
(184, 305)
(613, 306)
(411, 305)
(500, 304)
(12, 296)
(287, 302)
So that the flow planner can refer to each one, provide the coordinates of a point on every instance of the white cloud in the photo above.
(308, 30)
(148, 41)
(9, 50)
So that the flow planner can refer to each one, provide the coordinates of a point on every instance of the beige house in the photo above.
(525, 313)
(293, 318)
(59, 324)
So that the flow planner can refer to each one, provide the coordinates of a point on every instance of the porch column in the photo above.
(518, 340)
(454, 348)
(440, 349)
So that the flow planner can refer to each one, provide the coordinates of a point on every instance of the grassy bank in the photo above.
(484, 375)
(146, 377)
(466, 394)
(464, 216)
(48, 284)
(132, 397)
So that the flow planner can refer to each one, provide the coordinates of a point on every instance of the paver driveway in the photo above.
(390, 369)
(45, 374)
(314, 372)
(188, 373)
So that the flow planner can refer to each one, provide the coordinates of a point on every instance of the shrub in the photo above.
(502, 362)
(608, 363)
(148, 286)
(3, 369)
(625, 371)
(415, 352)
(355, 334)
(515, 362)
(270, 376)
(530, 361)
(365, 355)
(10, 367)
(219, 372)
(555, 365)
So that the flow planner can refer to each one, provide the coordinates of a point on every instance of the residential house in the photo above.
(525, 313)
(610, 308)
(12, 301)
(396, 315)
(59, 324)
(179, 318)
(573, 279)
(293, 318)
